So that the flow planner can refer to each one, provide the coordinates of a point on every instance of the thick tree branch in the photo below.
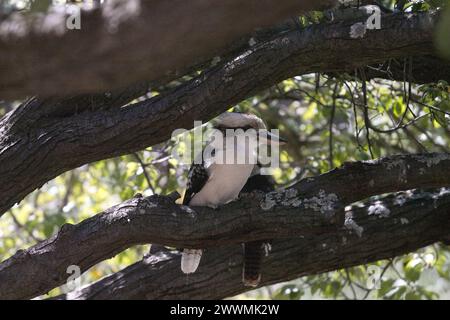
(40, 56)
(413, 221)
(31, 156)
(308, 208)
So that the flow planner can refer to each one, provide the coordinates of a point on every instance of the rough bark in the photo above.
(126, 42)
(37, 150)
(312, 207)
(419, 221)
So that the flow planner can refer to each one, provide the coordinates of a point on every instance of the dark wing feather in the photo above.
(197, 177)
(259, 182)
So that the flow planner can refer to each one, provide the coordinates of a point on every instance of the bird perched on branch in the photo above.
(226, 164)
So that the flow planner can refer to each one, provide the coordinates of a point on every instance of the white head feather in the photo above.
(238, 120)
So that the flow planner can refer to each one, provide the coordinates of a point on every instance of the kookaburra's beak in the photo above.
(273, 139)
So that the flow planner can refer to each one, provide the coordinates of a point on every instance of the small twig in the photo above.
(144, 169)
(400, 276)
(366, 111)
(400, 124)
(24, 228)
(317, 82)
(309, 96)
(330, 142)
(430, 107)
(407, 99)
(352, 98)
(69, 186)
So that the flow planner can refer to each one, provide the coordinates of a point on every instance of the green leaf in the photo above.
(385, 287)
(413, 271)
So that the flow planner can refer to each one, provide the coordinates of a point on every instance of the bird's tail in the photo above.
(190, 259)
(253, 255)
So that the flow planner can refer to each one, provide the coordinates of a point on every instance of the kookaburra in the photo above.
(221, 175)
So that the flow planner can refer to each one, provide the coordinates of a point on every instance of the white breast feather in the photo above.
(223, 185)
